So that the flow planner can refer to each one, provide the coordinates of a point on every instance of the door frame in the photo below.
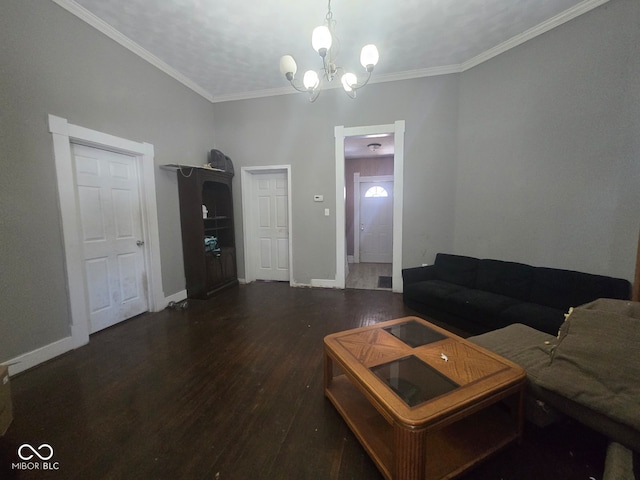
(357, 180)
(247, 176)
(397, 129)
(63, 135)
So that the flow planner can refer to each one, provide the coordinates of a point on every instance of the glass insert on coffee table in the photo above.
(423, 402)
(413, 380)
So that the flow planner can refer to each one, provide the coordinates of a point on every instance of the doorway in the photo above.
(369, 223)
(266, 213)
(396, 130)
(373, 219)
(64, 135)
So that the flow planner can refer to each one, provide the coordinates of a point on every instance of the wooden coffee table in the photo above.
(427, 411)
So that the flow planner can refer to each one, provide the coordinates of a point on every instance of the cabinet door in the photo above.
(228, 261)
(215, 276)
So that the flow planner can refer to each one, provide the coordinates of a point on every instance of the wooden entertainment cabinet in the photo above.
(207, 272)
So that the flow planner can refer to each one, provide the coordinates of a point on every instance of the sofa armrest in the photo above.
(418, 274)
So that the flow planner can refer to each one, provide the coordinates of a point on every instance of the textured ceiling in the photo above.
(229, 49)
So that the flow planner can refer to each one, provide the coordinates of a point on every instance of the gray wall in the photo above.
(290, 130)
(549, 148)
(538, 164)
(53, 63)
(532, 156)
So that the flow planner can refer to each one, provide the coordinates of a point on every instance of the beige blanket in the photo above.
(597, 360)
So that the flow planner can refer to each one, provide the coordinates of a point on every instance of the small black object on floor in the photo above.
(384, 282)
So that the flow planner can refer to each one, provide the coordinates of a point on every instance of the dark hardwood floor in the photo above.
(231, 388)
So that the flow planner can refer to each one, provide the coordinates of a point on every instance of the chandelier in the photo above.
(321, 40)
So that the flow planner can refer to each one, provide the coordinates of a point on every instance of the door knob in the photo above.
(139, 243)
(362, 227)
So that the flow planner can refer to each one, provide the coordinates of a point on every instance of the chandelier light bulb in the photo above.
(369, 56)
(348, 81)
(321, 39)
(310, 80)
(288, 66)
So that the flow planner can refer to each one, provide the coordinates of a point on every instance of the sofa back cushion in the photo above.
(456, 269)
(505, 278)
(565, 288)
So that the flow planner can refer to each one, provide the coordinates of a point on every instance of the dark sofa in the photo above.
(480, 295)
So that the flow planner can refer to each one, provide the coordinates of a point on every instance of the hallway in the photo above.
(366, 276)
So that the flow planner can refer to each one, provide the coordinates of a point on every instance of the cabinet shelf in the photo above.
(215, 229)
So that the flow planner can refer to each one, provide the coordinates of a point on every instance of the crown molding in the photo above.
(553, 22)
(389, 77)
(103, 27)
(419, 73)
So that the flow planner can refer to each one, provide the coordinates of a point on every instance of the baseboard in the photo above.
(323, 283)
(175, 298)
(38, 356)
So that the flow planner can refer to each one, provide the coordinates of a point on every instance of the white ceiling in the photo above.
(230, 49)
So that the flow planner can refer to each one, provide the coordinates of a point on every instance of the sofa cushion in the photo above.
(478, 305)
(431, 292)
(505, 278)
(456, 269)
(545, 319)
(596, 364)
(565, 288)
(526, 346)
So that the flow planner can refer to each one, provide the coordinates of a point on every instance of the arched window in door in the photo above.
(376, 191)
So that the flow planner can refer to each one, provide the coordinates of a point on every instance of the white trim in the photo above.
(357, 180)
(39, 355)
(397, 129)
(117, 36)
(103, 27)
(176, 297)
(63, 134)
(324, 283)
(246, 174)
(398, 205)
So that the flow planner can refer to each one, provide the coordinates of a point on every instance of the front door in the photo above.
(111, 235)
(376, 222)
(270, 208)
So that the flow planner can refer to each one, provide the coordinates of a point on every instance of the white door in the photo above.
(376, 222)
(111, 231)
(271, 239)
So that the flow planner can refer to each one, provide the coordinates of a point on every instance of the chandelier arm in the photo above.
(313, 95)
(351, 94)
(360, 85)
(304, 90)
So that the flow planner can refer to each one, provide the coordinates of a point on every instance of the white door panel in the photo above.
(111, 226)
(270, 200)
(376, 223)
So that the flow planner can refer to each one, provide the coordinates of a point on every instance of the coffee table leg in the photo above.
(410, 453)
(328, 370)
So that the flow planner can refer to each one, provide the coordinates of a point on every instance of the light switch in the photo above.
(318, 198)
(326, 212)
